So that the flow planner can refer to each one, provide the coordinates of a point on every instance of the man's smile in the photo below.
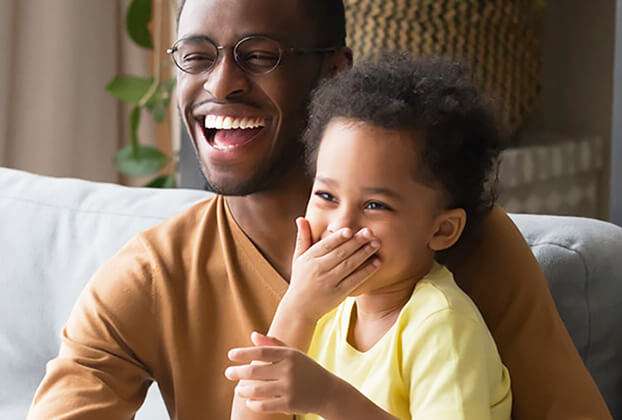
(228, 135)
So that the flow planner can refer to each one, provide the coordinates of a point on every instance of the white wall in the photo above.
(577, 74)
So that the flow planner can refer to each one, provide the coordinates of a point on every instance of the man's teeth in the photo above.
(219, 122)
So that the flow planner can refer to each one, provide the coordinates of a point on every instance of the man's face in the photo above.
(245, 160)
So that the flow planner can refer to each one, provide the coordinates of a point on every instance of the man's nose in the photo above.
(226, 80)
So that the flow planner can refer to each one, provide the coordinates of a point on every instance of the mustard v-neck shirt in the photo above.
(437, 361)
(167, 307)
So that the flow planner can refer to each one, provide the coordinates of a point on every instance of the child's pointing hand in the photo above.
(279, 379)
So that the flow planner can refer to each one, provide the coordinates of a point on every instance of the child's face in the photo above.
(365, 178)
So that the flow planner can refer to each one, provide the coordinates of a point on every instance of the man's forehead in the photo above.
(228, 20)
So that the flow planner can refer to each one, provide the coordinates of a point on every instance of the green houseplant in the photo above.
(150, 94)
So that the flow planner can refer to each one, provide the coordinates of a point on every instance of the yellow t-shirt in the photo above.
(438, 361)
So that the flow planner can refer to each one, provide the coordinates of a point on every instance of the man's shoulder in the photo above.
(167, 244)
(183, 226)
(163, 253)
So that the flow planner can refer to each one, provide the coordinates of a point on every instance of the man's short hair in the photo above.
(329, 19)
(435, 99)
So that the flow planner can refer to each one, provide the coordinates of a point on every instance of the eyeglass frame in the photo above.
(288, 50)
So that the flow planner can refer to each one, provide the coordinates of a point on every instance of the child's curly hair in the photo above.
(432, 97)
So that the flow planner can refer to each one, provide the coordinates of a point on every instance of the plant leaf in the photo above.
(164, 181)
(169, 84)
(129, 88)
(158, 111)
(148, 160)
(160, 101)
(137, 22)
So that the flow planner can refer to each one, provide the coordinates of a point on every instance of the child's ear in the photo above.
(448, 227)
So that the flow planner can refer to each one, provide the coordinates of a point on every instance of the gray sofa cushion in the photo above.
(54, 233)
(582, 260)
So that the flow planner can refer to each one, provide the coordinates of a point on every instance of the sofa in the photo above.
(55, 232)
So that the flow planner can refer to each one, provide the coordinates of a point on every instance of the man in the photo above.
(171, 303)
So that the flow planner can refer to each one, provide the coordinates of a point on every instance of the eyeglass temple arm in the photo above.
(312, 50)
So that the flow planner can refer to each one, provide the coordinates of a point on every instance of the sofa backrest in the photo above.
(582, 260)
(54, 233)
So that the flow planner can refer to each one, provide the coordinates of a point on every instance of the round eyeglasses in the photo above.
(254, 54)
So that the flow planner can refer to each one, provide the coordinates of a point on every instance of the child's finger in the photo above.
(303, 236)
(259, 339)
(349, 253)
(326, 245)
(350, 264)
(254, 372)
(261, 354)
(259, 390)
(273, 405)
(359, 276)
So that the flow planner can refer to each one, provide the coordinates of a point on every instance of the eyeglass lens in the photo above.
(256, 55)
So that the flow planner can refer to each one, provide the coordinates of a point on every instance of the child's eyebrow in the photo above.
(325, 180)
(383, 191)
(367, 190)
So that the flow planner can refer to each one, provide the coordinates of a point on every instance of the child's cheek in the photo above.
(317, 226)
(390, 239)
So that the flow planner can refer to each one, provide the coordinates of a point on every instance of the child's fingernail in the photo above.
(346, 232)
(228, 373)
(375, 244)
(376, 262)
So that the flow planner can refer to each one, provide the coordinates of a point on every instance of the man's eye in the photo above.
(259, 58)
(376, 205)
(325, 196)
(195, 57)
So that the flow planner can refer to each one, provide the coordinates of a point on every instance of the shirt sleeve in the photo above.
(101, 371)
(450, 362)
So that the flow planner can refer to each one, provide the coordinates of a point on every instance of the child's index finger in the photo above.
(257, 353)
(326, 245)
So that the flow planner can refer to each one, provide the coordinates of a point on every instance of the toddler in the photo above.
(372, 326)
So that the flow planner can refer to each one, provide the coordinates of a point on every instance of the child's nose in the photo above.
(344, 220)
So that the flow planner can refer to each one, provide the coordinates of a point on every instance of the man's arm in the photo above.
(499, 272)
(107, 343)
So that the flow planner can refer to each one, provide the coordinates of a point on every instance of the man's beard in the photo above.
(263, 178)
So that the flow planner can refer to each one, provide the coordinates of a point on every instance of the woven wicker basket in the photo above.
(496, 38)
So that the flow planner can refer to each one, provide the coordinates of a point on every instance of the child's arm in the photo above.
(296, 384)
(323, 274)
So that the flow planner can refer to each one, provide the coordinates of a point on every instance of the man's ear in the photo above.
(448, 227)
(337, 62)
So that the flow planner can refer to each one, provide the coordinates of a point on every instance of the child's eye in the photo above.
(376, 205)
(325, 196)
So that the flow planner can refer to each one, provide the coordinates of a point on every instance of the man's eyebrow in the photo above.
(271, 35)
